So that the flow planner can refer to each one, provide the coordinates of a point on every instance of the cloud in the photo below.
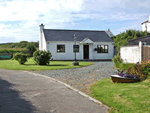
(20, 19)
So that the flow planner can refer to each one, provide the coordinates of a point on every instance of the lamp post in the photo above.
(75, 46)
(75, 63)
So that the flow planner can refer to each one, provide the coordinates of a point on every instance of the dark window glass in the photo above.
(102, 48)
(60, 48)
(75, 48)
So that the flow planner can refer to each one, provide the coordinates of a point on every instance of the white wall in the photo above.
(130, 54)
(44, 43)
(69, 54)
(144, 28)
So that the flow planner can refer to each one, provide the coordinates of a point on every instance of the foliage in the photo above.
(122, 38)
(137, 69)
(11, 51)
(20, 57)
(21, 44)
(30, 47)
(42, 57)
(117, 58)
(146, 70)
(121, 71)
(123, 65)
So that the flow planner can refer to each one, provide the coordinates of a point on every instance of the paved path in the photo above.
(22, 92)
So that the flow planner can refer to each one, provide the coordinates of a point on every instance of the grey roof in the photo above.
(67, 35)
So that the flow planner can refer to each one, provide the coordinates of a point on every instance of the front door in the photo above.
(86, 52)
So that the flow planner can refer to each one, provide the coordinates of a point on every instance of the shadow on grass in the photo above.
(46, 65)
(11, 102)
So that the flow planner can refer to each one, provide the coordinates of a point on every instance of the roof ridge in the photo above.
(73, 30)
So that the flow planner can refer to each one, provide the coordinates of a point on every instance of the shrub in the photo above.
(137, 69)
(20, 57)
(31, 47)
(42, 57)
(117, 59)
(146, 70)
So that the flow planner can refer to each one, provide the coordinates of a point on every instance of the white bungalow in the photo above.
(91, 44)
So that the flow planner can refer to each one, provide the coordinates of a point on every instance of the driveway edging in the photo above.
(83, 94)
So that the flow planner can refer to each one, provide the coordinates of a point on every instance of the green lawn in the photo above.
(30, 65)
(123, 97)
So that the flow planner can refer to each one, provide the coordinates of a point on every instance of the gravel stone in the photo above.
(83, 77)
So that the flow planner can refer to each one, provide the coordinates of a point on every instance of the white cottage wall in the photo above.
(67, 55)
(44, 44)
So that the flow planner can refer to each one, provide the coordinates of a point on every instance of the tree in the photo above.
(122, 38)
(23, 42)
(30, 47)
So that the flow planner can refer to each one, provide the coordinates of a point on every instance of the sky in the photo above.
(20, 19)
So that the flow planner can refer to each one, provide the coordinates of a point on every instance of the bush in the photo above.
(146, 70)
(137, 69)
(31, 47)
(117, 59)
(42, 57)
(20, 57)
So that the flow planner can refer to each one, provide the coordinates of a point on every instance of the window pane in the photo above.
(98, 48)
(106, 48)
(60, 48)
(102, 48)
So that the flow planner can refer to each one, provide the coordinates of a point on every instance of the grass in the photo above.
(30, 65)
(123, 97)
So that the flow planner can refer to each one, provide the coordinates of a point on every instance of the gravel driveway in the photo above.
(82, 78)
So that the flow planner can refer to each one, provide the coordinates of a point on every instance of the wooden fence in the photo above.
(146, 53)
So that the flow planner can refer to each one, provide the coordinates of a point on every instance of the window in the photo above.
(75, 48)
(60, 48)
(102, 48)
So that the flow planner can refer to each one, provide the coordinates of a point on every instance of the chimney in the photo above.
(41, 38)
(41, 27)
